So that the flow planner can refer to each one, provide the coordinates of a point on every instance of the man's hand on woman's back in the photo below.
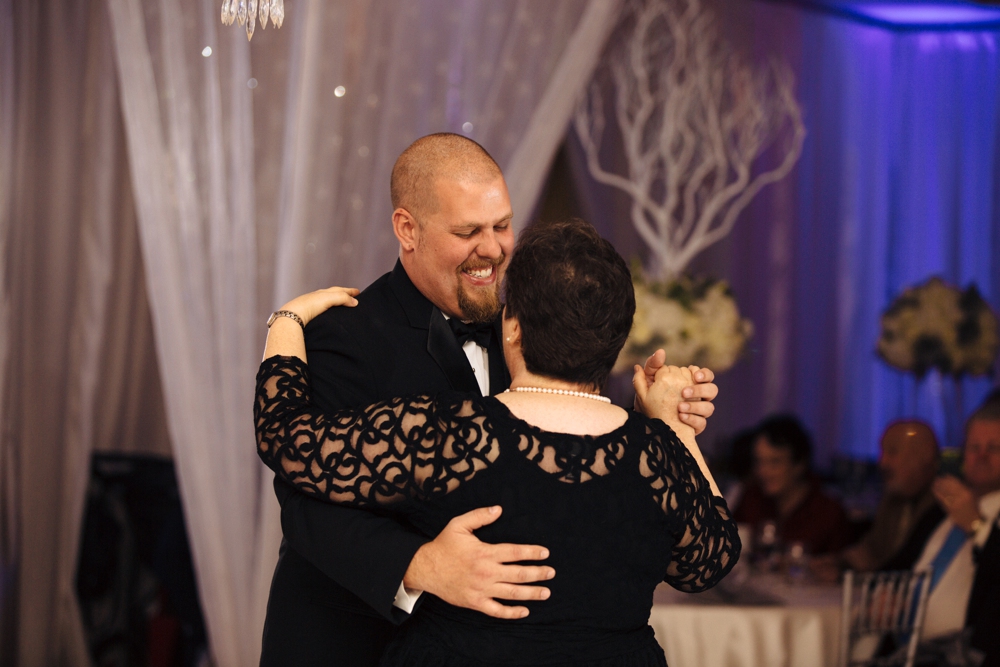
(461, 570)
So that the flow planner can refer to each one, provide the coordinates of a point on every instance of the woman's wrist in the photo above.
(285, 312)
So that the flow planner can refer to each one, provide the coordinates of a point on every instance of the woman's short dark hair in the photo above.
(787, 432)
(573, 295)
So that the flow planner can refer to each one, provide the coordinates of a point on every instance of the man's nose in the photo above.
(489, 246)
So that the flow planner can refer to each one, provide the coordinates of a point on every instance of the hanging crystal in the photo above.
(278, 12)
(248, 11)
(251, 18)
(265, 11)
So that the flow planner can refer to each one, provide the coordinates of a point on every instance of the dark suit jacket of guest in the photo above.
(983, 612)
(908, 554)
(339, 569)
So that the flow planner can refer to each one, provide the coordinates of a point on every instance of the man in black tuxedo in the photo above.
(345, 577)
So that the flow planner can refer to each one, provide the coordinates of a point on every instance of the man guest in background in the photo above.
(964, 550)
(346, 576)
(908, 511)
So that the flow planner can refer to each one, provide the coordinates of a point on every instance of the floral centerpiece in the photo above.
(937, 326)
(695, 321)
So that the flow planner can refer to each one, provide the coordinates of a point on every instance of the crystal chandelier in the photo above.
(246, 11)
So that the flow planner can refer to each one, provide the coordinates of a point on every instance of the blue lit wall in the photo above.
(900, 182)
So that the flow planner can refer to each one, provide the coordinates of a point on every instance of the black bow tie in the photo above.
(480, 333)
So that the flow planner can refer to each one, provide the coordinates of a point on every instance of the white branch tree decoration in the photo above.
(694, 118)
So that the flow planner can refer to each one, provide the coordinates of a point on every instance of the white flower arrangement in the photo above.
(936, 325)
(695, 321)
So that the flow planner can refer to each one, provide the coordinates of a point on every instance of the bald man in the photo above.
(908, 511)
(346, 576)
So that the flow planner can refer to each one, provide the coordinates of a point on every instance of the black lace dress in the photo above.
(618, 512)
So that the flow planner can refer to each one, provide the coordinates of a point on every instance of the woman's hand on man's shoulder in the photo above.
(308, 306)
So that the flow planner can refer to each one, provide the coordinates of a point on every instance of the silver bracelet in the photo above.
(285, 313)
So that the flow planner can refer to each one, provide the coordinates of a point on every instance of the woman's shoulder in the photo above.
(657, 436)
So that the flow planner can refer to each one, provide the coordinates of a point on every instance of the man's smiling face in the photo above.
(461, 247)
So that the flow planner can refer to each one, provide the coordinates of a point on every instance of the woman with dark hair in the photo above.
(786, 492)
(622, 501)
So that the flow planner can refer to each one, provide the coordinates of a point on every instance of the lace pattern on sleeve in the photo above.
(376, 455)
(707, 543)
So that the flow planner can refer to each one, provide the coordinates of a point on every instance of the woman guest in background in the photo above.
(786, 492)
(621, 500)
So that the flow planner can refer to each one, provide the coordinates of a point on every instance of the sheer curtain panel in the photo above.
(67, 236)
(8, 462)
(189, 127)
(367, 78)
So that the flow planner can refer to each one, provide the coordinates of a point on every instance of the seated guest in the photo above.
(908, 511)
(785, 491)
(964, 551)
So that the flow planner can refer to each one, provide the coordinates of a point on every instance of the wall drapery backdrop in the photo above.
(899, 180)
(240, 178)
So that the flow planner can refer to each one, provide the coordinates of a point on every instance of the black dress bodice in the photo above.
(619, 513)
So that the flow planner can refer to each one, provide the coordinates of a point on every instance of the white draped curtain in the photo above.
(78, 373)
(158, 196)
(366, 78)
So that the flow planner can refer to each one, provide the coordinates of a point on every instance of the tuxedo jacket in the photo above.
(908, 554)
(339, 568)
(983, 612)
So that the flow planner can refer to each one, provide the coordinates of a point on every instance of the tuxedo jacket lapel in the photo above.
(443, 347)
(441, 343)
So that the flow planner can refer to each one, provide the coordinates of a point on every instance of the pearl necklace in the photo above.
(564, 392)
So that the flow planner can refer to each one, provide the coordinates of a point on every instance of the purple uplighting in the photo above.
(919, 14)
(911, 15)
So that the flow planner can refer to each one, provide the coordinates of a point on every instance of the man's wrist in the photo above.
(412, 579)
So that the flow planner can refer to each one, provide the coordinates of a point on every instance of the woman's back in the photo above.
(619, 512)
(609, 540)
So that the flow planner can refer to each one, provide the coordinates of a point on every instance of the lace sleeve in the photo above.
(376, 455)
(707, 543)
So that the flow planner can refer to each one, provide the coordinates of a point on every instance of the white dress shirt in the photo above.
(479, 358)
(948, 601)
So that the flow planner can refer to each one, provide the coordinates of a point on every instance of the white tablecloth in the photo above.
(800, 630)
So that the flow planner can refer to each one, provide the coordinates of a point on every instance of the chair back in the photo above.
(880, 605)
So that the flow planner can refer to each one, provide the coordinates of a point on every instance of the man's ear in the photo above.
(406, 229)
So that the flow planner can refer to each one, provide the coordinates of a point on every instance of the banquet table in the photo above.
(761, 621)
